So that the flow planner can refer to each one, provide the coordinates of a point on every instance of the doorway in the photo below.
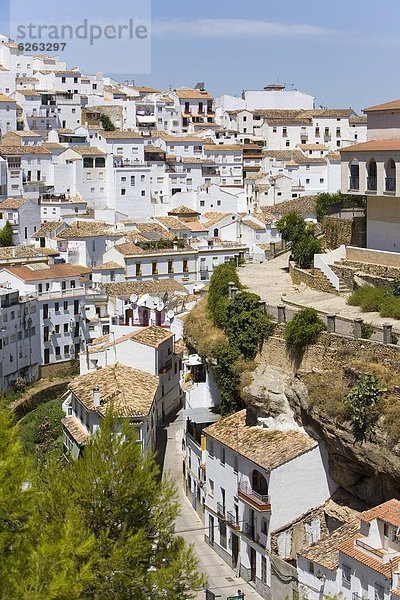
(253, 565)
(211, 530)
(235, 550)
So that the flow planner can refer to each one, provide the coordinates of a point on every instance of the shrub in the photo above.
(303, 330)
(217, 298)
(390, 307)
(106, 122)
(304, 250)
(368, 298)
(6, 235)
(362, 403)
(292, 227)
(366, 331)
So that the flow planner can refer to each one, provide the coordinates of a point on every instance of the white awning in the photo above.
(145, 119)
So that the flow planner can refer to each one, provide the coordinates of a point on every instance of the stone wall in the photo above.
(313, 278)
(377, 270)
(331, 350)
(344, 231)
(32, 401)
(284, 583)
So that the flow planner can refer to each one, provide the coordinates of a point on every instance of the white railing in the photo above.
(79, 291)
(323, 262)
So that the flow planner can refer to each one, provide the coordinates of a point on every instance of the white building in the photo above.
(360, 560)
(146, 393)
(8, 114)
(60, 298)
(24, 217)
(19, 338)
(253, 474)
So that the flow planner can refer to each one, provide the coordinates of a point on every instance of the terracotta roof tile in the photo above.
(59, 271)
(374, 146)
(266, 448)
(76, 429)
(129, 391)
(392, 105)
(325, 552)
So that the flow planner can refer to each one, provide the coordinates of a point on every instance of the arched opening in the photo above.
(390, 175)
(371, 175)
(215, 232)
(88, 162)
(354, 169)
(259, 483)
(100, 162)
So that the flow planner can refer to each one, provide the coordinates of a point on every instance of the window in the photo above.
(57, 306)
(211, 488)
(235, 463)
(311, 567)
(66, 350)
(202, 203)
(132, 180)
(57, 328)
(346, 576)
(321, 180)
(170, 266)
(284, 132)
(65, 306)
(222, 457)
(264, 570)
(307, 180)
(210, 448)
(154, 267)
(143, 193)
(138, 269)
(379, 591)
(185, 266)
(58, 351)
(123, 192)
(65, 327)
(287, 143)
(76, 307)
(264, 526)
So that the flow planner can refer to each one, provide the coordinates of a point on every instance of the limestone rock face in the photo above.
(272, 396)
(277, 399)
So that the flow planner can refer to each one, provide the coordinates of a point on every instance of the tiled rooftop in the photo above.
(268, 449)
(128, 391)
(325, 552)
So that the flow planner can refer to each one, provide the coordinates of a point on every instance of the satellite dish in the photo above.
(134, 298)
(142, 300)
(170, 314)
(160, 305)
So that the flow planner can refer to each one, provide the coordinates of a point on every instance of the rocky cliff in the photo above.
(369, 471)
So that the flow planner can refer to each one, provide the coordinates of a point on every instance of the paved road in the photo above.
(221, 579)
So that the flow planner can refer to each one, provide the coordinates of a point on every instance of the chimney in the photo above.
(96, 396)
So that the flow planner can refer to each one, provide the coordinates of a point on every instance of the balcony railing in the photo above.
(354, 183)
(259, 501)
(356, 596)
(220, 510)
(231, 520)
(371, 184)
(390, 184)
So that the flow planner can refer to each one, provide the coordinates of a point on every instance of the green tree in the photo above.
(217, 297)
(228, 378)
(6, 235)
(45, 553)
(131, 515)
(106, 122)
(362, 403)
(246, 324)
(292, 227)
(304, 250)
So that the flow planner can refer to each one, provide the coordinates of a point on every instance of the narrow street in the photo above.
(221, 579)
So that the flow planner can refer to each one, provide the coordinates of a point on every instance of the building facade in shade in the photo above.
(19, 338)
(60, 294)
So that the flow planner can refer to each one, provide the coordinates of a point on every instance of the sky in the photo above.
(343, 52)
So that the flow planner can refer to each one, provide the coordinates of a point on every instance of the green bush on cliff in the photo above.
(218, 292)
(362, 403)
(247, 325)
(303, 330)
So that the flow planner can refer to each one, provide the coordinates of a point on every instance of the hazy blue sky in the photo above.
(344, 52)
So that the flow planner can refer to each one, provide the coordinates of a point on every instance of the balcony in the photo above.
(259, 501)
(356, 596)
(354, 183)
(221, 510)
(249, 531)
(372, 184)
(231, 520)
(390, 184)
